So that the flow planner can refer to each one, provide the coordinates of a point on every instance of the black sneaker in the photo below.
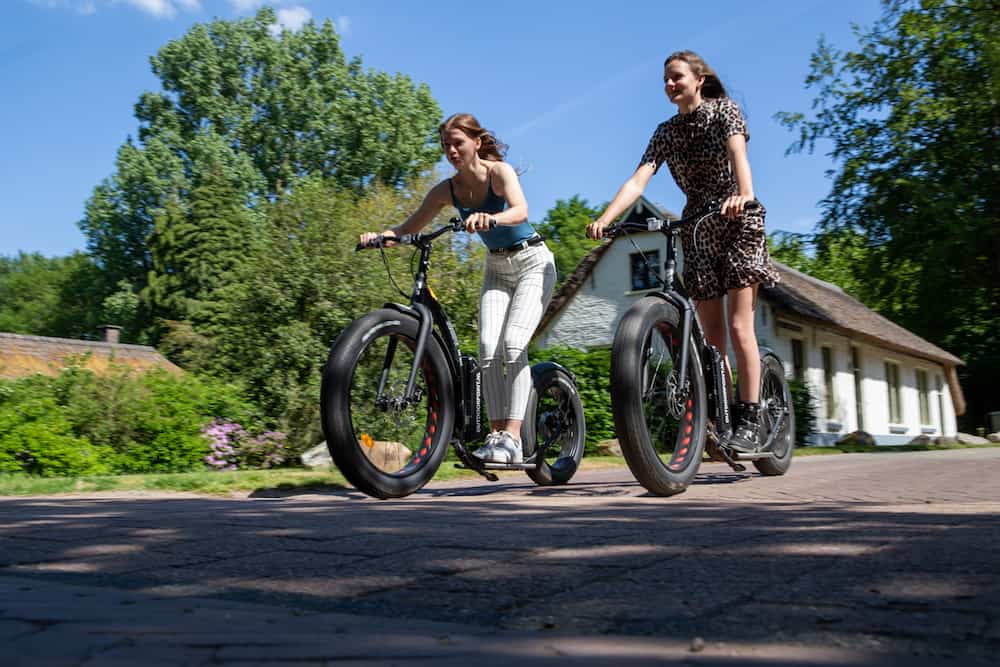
(746, 437)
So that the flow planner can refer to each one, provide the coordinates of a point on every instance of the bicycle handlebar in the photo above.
(455, 224)
(653, 224)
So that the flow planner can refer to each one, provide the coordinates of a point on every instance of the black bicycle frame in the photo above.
(432, 321)
(718, 391)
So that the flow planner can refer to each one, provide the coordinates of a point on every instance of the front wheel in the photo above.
(386, 444)
(553, 425)
(659, 417)
(777, 427)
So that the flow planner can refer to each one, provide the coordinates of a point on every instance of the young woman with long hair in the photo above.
(725, 257)
(519, 277)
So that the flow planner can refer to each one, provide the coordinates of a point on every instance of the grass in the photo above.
(243, 482)
(883, 449)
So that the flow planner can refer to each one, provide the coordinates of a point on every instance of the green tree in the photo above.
(564, 226)
(198, 243)
(57, 296)
(913, 120)
(264, 109)
(303, 284)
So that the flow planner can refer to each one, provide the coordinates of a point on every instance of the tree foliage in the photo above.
(913, 120)
(42, 296)
(303, 283)
(245, 112)
(564, 226)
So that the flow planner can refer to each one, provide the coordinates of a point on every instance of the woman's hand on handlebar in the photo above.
(370, 239)
(479, 222)
(733, 206)
(595, 230)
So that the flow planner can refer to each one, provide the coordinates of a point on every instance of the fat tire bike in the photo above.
(397, 390)
(671, 395)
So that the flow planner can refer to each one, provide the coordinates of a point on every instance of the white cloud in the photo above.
(344, 25)
(163, 9)
(293, 18)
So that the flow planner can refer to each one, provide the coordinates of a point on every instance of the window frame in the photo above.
(635, 261)
(893, 388)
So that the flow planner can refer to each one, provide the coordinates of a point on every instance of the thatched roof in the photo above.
(829, 306)
(26, 355)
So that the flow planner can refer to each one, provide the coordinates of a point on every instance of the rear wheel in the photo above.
(386, 445)
(777, 427)
(659, 419)
(554, 423)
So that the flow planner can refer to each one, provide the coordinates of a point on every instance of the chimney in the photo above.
(110, 333)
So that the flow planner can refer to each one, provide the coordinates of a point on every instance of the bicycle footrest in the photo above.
(500, 466)
(752, 456)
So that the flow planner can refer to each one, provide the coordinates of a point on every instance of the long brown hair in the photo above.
(491, 147)
(712, 88)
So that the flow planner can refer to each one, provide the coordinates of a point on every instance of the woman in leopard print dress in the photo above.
(705, 147)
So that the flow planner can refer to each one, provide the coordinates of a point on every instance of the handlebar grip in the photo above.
(366, 246)
(457, 222)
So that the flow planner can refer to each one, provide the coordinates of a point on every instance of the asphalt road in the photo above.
(849, 559)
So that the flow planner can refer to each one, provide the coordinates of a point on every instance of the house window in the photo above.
(798, 361)
(828, 382)
(892, 382)
(859, 404)
(923, 392)
(645, 271)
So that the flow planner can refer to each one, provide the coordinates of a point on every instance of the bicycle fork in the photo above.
(411, 395)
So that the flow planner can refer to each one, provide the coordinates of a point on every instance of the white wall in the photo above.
(874, 387)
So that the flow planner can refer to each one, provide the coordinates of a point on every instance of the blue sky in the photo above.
(574, 88)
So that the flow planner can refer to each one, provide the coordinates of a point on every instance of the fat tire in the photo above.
(335, 405)
(772, 379)
(627, 373)
(571, 453)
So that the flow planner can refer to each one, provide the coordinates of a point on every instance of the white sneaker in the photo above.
(486, 451)
(505, 449)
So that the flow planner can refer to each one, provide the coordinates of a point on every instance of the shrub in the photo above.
(233, 448)
(121, 421)
(36, 437)
(804, 405)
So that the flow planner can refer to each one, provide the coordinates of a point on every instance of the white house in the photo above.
(866, 372)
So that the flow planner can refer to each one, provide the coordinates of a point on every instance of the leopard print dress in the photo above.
(719, 254)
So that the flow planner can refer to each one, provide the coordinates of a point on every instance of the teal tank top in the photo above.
(501, 236)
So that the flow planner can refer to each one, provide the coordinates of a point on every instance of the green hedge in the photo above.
(121, 421)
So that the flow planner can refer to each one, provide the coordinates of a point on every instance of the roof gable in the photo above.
(639, 211)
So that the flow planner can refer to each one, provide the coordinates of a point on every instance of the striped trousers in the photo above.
(516, 290)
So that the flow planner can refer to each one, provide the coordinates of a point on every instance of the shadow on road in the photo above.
(540, 560)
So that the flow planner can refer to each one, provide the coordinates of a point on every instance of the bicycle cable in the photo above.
(694, 243)
(388, 270)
